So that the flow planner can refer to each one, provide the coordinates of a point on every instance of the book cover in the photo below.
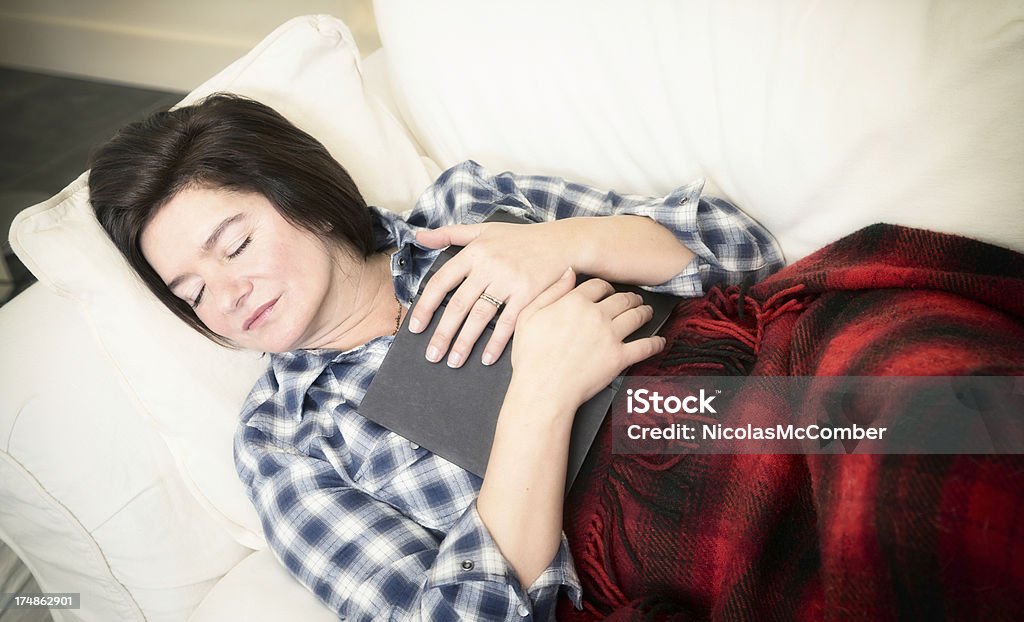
(454, 412)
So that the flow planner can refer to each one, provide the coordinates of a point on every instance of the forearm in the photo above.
(328, 533)
(520, 501)
(623, 248)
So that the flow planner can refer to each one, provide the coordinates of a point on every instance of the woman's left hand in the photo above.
(510, 263)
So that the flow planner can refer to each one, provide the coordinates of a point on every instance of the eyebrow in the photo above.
(210, 243)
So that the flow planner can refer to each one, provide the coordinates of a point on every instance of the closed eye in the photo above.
(241, 248)
(238, 251)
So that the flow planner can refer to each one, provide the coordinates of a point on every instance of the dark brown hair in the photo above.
(223, 142)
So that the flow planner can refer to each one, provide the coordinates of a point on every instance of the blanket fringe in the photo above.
(727, 331)
(604, 585)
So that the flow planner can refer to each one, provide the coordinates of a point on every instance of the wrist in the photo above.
(536, 395)
(625, 248)
(581, 241)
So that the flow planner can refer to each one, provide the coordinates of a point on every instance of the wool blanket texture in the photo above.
(811, 537)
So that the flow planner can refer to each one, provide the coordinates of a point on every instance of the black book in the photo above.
(454, 412)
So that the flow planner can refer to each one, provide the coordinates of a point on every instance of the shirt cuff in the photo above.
(560, 573)
(469, 553)
(678, 212)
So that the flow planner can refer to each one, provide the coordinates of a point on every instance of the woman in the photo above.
(248, 230)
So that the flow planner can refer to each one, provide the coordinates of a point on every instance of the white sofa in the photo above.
(116, 478)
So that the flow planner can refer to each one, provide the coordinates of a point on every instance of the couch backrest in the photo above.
(817, 118)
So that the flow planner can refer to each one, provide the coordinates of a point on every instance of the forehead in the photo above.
(195, 209)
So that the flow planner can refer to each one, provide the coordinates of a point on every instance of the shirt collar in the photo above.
(298, 370)
(391, 229)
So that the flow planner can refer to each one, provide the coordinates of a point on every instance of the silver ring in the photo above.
(491, 299)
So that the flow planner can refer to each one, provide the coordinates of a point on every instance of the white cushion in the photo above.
(308, 69)
(259, 589)
(89, 494)
(817, 118)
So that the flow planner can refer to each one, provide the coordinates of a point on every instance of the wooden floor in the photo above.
(48, 127)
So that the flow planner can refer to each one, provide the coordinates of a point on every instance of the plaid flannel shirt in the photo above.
(380, 528)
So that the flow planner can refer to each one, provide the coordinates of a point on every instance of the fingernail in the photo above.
(567, 273)
(433, 354)
(414, 325)
(454, 359)
(488, 358)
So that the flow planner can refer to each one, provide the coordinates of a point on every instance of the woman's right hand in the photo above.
(569, 341)
(567, 347)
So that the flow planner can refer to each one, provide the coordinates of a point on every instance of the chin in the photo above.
(281, 334)
(277, 340)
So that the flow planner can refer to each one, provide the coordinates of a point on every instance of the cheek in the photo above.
(285, 261)
(307, 266)
(211, 320)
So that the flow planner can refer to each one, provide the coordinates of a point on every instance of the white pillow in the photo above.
(309, 70)
(817, 118)
(90, 497)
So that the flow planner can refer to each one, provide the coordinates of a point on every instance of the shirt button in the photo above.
(523, 611)
(401, 261)
(467, 565)
(414, 446)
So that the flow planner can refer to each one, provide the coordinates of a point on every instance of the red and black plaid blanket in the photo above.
(789, 537)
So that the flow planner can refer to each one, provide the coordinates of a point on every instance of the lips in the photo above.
(260, 314)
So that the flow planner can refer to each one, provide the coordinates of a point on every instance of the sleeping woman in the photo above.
(248, 230)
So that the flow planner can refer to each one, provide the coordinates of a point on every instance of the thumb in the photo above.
(458, 235)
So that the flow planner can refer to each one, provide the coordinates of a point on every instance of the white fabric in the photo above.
(260, 589)
(308, 69)
(815, 117)
(90, 497)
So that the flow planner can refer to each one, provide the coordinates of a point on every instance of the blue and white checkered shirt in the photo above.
(379, 528)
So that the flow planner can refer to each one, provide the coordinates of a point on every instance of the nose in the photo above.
(230, 293)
